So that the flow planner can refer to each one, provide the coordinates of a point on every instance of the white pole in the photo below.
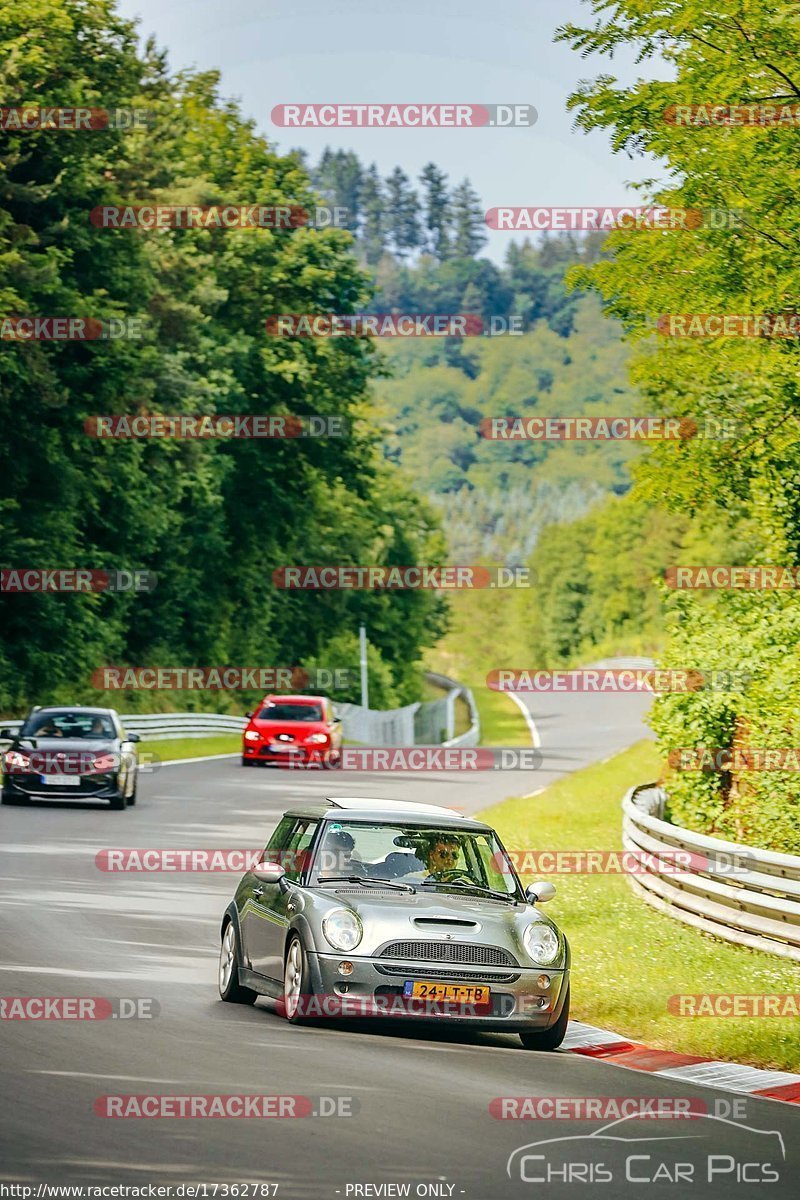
(362, 641)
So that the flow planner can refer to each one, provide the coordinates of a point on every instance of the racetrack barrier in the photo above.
(743, 894)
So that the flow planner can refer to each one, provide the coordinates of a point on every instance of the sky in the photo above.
(468, 51)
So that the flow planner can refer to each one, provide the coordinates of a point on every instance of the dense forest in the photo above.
(212, 519)
(421, 248)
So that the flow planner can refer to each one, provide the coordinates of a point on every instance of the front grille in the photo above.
(450, 952)
(452, 975)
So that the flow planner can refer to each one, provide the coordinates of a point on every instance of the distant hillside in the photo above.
(420, 247)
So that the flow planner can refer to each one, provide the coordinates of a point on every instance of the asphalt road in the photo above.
(419, 1100)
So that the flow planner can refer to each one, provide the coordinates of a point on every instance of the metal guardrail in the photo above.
(454, 690)
(744, 895)
(430, 723)
(158, 726)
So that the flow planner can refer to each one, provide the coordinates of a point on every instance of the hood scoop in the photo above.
(434, 923)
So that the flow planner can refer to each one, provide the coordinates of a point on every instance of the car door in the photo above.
(267, 906)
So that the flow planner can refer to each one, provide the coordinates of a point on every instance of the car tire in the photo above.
(332, 761)
(548, 1039)
(247, 762)
(117, 802)
(230, 989)
(296, 981)
(132, 797)
(10, 798)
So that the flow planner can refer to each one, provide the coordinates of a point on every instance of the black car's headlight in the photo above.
(342, 929)
(542, 943)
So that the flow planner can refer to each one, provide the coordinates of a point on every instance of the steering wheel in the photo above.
(452, 876)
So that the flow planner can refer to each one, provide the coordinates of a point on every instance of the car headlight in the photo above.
(317, 738)
(252, 736)
(542, 943)
(342, 929)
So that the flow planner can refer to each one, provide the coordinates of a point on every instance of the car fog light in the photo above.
(345, 968)
(543, 981)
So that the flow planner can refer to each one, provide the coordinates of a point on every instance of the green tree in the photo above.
(436, 210)
(402, 214)
(373, 229)
(468, 225)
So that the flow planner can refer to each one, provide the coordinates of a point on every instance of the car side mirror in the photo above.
(541, 892)
(6, 733)
(269, 872)
(248, 715)
(134, 737)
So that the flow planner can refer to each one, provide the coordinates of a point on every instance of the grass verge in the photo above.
(629, 959)
(468, 652)
(169, 749)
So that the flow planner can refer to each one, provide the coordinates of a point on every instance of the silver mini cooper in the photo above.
(387, 908)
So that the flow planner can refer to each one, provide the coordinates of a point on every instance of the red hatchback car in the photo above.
(293, 730)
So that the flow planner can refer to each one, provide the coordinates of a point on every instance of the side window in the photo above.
(295, 859)
(279, 840)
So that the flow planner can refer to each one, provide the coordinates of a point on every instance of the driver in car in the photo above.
(440, 857)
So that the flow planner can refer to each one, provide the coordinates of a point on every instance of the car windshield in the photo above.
(425, 856)
(290, 712)
(94, 726)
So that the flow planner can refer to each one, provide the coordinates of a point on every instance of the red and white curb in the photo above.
(689, 1068)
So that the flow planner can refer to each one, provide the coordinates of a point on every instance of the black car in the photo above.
(70, 754)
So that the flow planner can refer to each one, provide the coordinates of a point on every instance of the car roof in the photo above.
(76, 708)
(395, 812)
(296, 698)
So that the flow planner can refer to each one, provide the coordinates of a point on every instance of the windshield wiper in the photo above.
(388, 883)
(472, 887)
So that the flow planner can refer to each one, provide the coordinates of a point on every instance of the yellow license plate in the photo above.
(452, 993)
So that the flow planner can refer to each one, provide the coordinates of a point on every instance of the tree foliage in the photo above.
(736, 52)
(211, 519)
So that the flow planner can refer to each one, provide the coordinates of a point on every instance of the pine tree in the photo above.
(469, 230)
(402, 214)
(339, 177)
(373, 219)
(437, 210)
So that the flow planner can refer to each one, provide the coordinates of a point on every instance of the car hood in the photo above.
(390, 916)
(67, 745)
